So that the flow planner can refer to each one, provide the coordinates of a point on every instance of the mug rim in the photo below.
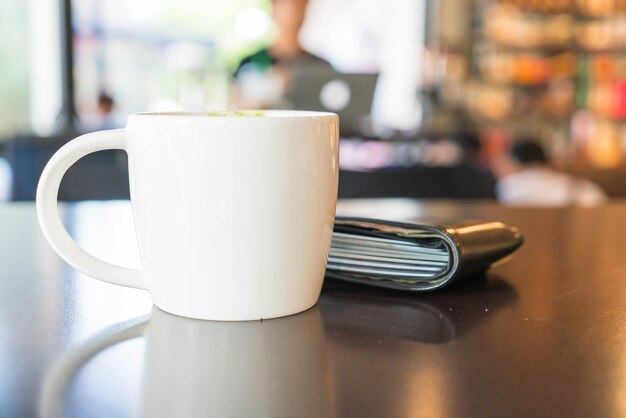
(252, 114)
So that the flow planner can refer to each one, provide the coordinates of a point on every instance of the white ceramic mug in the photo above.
(234, 214)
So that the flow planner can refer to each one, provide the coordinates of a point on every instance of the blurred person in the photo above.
(377, 36)
(102, 117)
(106, 105)
(525, 179)
(263, 77)
(470, 144)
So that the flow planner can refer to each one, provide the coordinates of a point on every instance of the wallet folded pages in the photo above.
(416, 257)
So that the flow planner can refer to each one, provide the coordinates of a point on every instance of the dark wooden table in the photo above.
(541, 336)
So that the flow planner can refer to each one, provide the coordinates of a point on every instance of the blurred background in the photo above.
(518, 100)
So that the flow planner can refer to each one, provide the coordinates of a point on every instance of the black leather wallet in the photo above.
(416, 257)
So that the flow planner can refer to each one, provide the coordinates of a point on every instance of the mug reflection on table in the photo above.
(278, 368)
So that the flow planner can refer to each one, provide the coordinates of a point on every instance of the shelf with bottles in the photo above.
(543, 6)
(526, 46)
(524, 62)
(554, 70)
(499, 66)
(607, 101)
(554, 103)
(596, 140)
(590, 8)
(585, 27)
(602, 85)
(600, 8)
(607, 34)
(506, 24)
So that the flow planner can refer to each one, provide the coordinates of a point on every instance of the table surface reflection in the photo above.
(543, 335)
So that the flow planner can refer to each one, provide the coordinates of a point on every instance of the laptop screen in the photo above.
(319, 87)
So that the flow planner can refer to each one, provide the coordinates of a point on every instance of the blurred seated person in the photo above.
(263, 77)
(526, 180)
(103, 117)
(105, 111)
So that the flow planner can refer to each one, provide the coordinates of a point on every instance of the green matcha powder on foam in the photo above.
(237, 113)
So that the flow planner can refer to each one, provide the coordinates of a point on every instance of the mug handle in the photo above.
(48, 211)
